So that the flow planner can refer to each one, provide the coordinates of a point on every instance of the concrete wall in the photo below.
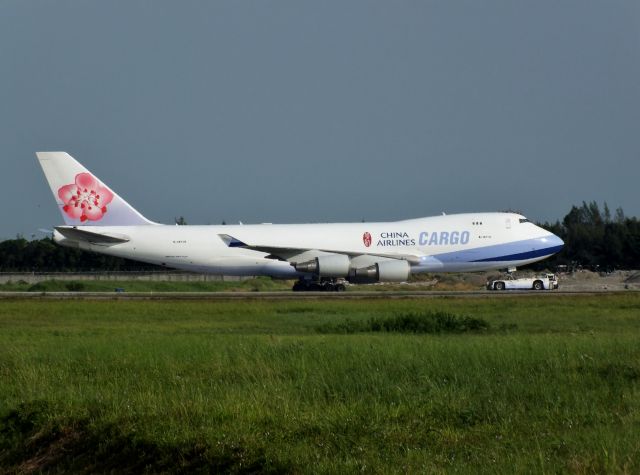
(35, 277)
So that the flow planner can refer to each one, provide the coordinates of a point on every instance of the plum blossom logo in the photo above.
(86, 199)
(366, 239)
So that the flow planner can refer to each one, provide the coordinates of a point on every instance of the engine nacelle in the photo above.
(335, 265)
(384, 271)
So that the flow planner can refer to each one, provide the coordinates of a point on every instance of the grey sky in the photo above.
(290, 111)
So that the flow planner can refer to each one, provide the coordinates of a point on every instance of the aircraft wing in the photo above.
(294, 254)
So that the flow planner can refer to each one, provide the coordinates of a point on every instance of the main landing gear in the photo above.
(322, 285)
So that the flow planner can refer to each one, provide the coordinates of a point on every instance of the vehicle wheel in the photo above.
(537, 285)
(340, 288)
(499, 286)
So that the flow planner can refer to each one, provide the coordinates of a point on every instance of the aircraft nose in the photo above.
(557, 241)
(553, 243)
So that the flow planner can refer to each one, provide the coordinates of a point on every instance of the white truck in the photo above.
(539, 282)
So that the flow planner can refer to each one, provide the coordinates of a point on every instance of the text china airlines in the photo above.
(425, 238)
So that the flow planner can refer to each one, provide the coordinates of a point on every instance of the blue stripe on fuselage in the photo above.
(511, 251)
(522, 256)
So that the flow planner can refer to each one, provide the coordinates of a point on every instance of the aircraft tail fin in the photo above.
(82, 198)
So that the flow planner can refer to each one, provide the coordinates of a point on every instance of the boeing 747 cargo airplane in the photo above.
(320, 256)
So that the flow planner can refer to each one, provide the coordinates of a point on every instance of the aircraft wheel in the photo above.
(340, 288)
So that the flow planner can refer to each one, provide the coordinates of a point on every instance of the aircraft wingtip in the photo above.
(230, 241)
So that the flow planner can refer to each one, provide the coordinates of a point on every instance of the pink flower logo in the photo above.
(366, 239)
(86, 199)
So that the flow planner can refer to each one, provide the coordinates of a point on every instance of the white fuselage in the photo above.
(452, 243)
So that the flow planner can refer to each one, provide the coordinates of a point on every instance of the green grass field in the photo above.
(249, 285)
(462, 281)
(546, 384)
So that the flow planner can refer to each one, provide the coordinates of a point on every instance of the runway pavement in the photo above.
(288, 295)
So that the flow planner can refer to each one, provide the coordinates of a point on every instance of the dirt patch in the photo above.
(587, 280)
(31, 443)
(48, 453)
(633, 278)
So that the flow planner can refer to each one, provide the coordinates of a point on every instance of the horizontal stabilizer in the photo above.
(76, 234)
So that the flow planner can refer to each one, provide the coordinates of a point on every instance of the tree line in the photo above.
(44, 255)
(594, 238)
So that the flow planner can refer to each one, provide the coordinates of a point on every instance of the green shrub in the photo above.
(75, 286)
(429, 322)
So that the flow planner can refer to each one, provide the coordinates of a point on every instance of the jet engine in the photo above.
(334, 265)
(384, 271)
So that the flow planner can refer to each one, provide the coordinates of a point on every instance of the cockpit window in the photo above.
(524, 220)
